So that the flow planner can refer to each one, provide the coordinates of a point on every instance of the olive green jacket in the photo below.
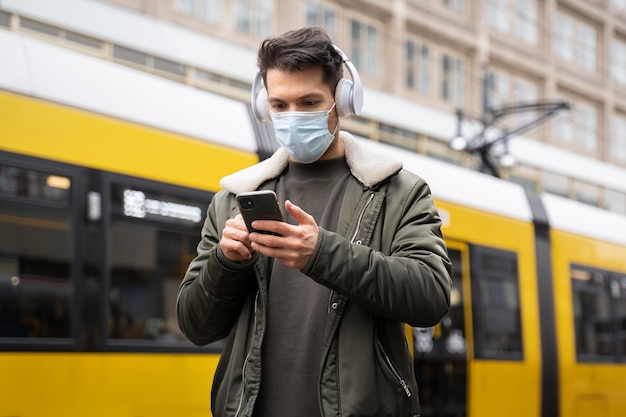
(386, 265)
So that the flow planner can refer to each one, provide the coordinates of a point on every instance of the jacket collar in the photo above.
(368, 167)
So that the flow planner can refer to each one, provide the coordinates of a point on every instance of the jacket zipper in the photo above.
(245, 362)
(356, 231)
(405, 387)
(358, 224)
(402, 382)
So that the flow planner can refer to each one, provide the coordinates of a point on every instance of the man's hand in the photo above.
(235, 242)
(295, 245)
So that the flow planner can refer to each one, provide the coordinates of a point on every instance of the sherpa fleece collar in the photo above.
(367, 166)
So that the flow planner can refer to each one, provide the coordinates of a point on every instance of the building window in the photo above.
(618, 61)
(587, 124)
(525, 92)
(617, 144)
(619, 5)
(504, 89)
(555, 184)
(453, 81)
(575, 41)
(563, 131)
(526, 21)
(525, 176)
(497, 14)
(365, 47)
(322, 16)
(208, 10)
(254, 17)
(518, 18)
(398, 136)
(587, 193)
(458, 5)
(418, 59)
(498, 89)
(5, 19)
(563, 37)
(62, 34)
(615, 201)
(580, 128)
(135, 57)
(435, 72)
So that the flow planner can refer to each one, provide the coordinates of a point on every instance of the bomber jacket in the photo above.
(386, 265)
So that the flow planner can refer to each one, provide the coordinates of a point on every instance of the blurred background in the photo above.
(119, 117)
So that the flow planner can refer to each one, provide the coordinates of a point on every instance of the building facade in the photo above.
(420, 62)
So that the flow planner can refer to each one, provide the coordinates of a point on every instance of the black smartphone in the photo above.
(259, 205)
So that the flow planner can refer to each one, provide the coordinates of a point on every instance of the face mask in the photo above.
(304, 134)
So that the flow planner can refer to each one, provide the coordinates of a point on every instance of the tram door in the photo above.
(440, 355)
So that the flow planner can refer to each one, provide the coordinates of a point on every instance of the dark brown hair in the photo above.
(300, 49)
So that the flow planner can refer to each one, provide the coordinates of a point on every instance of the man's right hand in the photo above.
(235, 242)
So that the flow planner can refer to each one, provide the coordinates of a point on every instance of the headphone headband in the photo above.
(348, 93)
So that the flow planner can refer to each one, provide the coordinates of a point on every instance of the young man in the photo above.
(314, 317)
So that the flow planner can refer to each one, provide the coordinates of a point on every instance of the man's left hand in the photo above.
(296, 243)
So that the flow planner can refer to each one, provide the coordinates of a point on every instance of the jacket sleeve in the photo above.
(412, 282)
(213, 289)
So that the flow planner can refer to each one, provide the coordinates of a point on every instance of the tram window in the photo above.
(147, 265)
(599, 314)
(496, 307)
(35, 277)
(34, 185)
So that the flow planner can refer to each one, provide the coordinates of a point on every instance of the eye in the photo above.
(277, 106)
(310, 103)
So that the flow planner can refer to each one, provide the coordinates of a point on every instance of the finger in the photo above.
(237, 223)
(273, 226)
(236, 230)
(235, 250)
(301, 216)
(266, 240)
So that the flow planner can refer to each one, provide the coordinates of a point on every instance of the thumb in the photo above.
(301, 216)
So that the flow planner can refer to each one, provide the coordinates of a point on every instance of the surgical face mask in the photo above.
(304, 135)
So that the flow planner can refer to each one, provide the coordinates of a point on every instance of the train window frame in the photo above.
(483, 307)
(56, 173)
(72, 209)
(110, 183)
(612, 286)
(90, 239)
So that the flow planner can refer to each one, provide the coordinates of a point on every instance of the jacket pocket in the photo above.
(395, 375)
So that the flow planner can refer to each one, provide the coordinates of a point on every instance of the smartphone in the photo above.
(259, 205)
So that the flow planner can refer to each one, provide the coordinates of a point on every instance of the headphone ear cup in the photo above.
(261, 107)
(258, 100)
(343, 98)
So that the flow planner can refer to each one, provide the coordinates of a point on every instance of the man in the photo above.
(314, 317)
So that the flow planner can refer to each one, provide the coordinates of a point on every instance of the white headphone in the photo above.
(348, 94)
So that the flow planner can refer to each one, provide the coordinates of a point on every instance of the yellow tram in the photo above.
(100, 213)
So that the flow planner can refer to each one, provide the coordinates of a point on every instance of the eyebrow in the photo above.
(304, 97)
